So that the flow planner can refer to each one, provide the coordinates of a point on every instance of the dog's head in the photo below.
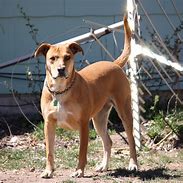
(59, 58)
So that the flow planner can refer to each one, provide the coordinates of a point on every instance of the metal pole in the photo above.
(16, 60)
(98, 33)
(79, 39)
(132, 15)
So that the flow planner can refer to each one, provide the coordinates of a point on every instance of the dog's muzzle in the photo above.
(62, 72)
(59, 73)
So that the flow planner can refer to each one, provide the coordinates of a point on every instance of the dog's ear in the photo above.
(75, 48)
(42, 49)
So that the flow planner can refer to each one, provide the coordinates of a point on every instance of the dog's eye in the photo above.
(53, 58)
(67, 57)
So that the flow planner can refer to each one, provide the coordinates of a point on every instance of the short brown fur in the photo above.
(84, 95)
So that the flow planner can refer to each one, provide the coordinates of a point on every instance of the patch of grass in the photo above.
(68, 181)
(163, 124)
(67, 158)
(35, 157)
(61, 133)
(164, 160)
(119, 161)
(21, 158)
(95, 153)
(180, 156)
(92, 134)
(38, 133)
(66, 134)
(154, 159)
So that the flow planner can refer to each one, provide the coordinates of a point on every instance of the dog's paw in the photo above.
(101, 168)
(47, 174)
(132, 166)
(78, 173)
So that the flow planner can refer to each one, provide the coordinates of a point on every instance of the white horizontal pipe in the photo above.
(99, 32)
(78, 39)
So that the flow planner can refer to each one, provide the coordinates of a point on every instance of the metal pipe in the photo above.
(16, 60)
(98, 33)
(79, 39)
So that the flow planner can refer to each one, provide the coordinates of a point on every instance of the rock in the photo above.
(14, 141)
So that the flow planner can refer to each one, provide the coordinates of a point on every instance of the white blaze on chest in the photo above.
(65, 115)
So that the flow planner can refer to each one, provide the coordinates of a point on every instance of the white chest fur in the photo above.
(66, 116)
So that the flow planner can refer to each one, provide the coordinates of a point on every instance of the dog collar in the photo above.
(54, 93)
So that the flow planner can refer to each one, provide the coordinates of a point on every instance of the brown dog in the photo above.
(70, 99)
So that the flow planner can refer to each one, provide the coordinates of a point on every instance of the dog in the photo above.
(70, 99)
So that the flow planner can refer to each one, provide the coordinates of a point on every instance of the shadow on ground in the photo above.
(151, 174)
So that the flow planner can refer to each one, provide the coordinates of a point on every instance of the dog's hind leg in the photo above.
(100, 123)
(123, 107)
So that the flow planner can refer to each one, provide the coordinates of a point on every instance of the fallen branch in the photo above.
(162, 140)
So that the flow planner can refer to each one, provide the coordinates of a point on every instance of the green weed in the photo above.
(161, 123)
(92, 134)
(156, 127)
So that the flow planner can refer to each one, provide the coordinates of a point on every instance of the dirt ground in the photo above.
(25, 176)
(146, 172)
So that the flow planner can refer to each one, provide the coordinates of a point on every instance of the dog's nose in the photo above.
(61, 71)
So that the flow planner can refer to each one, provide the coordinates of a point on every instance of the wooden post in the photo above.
(132, 15)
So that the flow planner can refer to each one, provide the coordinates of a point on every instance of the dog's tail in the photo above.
(123, 58)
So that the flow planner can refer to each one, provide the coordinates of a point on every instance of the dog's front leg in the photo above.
(49, 130)
(84, 131)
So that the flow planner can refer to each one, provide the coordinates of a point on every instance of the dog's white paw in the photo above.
(132, 166)
(101, 168)
(78, 173)
(47, 174)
